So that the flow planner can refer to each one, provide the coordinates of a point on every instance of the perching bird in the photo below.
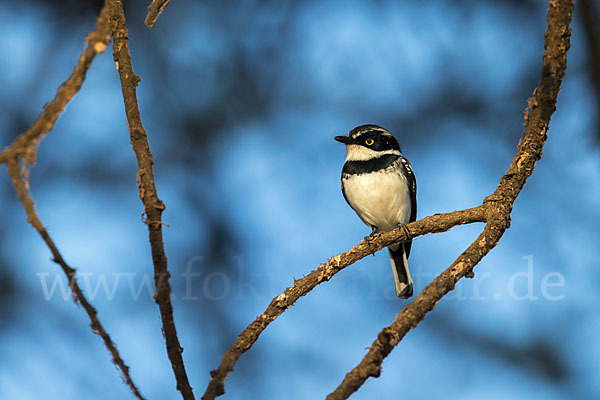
(379, 184)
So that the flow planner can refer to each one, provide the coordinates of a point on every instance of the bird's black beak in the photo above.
(343, 139)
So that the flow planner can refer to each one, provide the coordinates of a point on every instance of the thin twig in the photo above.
(153, 206)
(324, 272)
(26, 143)
(25, 146)
(78, 296)
(498, 205)
(154, 11)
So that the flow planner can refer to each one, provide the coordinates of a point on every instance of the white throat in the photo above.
(355, 152)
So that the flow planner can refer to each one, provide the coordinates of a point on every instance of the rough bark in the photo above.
(153, 206)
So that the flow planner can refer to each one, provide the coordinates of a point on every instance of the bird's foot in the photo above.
(404, 229)
(370, 237)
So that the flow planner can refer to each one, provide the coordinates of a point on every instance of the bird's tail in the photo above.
(404, 283)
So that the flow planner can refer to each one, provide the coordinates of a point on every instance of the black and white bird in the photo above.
(379, 184)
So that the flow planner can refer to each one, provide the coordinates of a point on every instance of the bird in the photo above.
(379, 185)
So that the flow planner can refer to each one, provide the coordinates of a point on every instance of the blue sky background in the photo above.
(241, 101)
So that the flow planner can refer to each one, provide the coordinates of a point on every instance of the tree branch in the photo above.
(495, 212)
(324, 272)
(25, 146)
(26, 143)
(154, 11)
(78, 296)
(498, 205)
(153, 206)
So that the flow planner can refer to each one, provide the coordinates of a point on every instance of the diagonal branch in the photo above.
(498, 205)
(26, 143)
(154, 11)
(414, 313)
(78, 296)
(153, 206)
(324, 272)
(495, 212)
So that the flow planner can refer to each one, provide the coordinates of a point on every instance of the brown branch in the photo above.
(414, 313)
(495, 212)
(324, 272)
(26, 143)
(154, 11)
(498, 205)
(78, 296)
(153, 206)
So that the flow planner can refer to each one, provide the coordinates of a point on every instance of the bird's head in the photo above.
(366, 142)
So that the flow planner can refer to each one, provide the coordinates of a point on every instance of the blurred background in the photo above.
(241, 100)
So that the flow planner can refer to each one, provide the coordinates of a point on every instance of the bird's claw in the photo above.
(404, 229)
(369, 238)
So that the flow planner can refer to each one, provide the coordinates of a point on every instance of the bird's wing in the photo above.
(412, 190)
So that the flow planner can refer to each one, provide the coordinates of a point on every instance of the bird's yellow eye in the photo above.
(369, 141)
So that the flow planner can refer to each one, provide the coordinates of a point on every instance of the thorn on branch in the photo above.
(156, 223)
(152, 223)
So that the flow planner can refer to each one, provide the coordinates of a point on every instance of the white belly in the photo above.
(380, 198)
